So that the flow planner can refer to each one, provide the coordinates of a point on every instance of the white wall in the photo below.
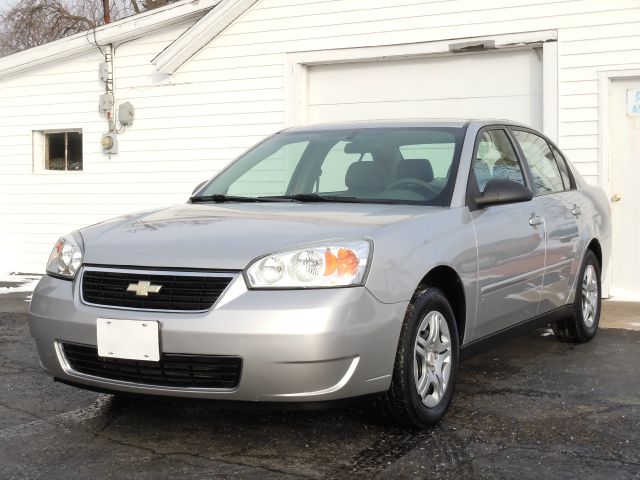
(593, 35)
(232, 93)
(37, 208)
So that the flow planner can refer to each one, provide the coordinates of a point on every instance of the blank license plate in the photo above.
(128, 339)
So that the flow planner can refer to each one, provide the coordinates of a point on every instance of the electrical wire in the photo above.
(95, 41)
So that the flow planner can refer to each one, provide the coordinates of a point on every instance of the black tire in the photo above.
(401, 403)
(577, 328)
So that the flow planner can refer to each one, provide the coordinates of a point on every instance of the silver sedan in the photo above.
(331, 262)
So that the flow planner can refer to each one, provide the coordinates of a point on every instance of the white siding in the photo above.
(36, 208)
(232, 93)
(593, 35)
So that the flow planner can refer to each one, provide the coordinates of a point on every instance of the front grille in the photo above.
(173, 370)
(177, 292)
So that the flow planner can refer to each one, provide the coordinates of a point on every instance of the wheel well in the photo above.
(446, 279)
(595, 247)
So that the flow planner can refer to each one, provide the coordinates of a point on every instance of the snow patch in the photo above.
(25, 283)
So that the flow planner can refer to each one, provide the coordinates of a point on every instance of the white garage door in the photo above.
(489, 84)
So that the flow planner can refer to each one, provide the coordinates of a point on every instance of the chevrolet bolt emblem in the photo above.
(143, 288)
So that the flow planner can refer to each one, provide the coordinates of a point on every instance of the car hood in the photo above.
(228, 236)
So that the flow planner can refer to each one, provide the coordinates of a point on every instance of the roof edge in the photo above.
(200, 35)
(122, 30)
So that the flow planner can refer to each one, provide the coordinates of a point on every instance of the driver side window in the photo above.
(496, 158)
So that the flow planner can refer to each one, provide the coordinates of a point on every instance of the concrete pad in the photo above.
(620, 315)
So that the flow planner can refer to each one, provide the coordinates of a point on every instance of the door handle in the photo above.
(535, 220)
(616, 198)
(577, 211)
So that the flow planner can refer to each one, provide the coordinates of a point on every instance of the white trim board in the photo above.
(200, 35)
(123, 30)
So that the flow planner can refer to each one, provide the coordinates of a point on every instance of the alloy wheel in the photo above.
(590, 294)
(432, 358)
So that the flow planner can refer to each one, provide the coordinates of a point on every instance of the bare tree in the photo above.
(29, 23)
(148, 4)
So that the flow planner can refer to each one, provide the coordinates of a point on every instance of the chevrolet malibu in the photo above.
(330, 262)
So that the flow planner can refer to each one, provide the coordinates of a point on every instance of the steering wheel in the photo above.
(415, 182)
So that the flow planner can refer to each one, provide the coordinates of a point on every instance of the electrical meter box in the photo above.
(104, 72)
(125, 113)
(106, 102)
(109, 143)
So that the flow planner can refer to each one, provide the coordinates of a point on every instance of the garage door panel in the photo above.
(521, 108)
(505, 84)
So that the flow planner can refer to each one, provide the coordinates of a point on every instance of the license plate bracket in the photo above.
(128, 339)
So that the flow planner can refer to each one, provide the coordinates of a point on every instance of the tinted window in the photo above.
(544, 169)
(564, 169)
(496, 158)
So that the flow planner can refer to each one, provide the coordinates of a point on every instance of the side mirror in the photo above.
(198, 187)
(501, 190)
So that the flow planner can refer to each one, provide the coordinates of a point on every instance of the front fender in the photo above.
(405, 252)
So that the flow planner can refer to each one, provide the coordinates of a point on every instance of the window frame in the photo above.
(473, 189)
(563, 160)
(39, 151)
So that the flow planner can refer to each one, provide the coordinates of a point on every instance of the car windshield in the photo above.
(414, 165)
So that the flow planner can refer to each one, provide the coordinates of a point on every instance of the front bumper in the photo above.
(296, 345)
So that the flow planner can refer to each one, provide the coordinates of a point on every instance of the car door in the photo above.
(553, 187)
(509, 239)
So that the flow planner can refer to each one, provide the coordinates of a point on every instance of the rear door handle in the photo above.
(535, 220)
(577, 211)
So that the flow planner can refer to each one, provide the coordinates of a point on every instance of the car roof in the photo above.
(433, 122)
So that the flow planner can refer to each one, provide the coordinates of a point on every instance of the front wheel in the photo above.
(426, 364)
(582, 325)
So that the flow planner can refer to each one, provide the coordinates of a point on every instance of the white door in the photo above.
(506, 84)
(624, 147)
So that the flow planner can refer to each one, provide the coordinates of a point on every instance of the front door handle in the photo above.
(577, 211)
(535, 220)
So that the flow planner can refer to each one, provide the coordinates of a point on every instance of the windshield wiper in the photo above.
(299, 197)
(220, 198)
(314, 197)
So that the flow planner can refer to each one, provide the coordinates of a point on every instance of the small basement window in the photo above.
(58, 150)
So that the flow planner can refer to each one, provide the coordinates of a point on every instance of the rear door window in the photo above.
(542, 163)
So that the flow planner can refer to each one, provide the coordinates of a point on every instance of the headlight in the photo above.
(65, 258)
(333, 264)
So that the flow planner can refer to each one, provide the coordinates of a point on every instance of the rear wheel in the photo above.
(582, 325)
(426, 363)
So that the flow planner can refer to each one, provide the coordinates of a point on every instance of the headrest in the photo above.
(505, 162)
(363, 176)
(420, 169)
(482, 172)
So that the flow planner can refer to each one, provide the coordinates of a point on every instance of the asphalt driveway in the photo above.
(532, 408)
